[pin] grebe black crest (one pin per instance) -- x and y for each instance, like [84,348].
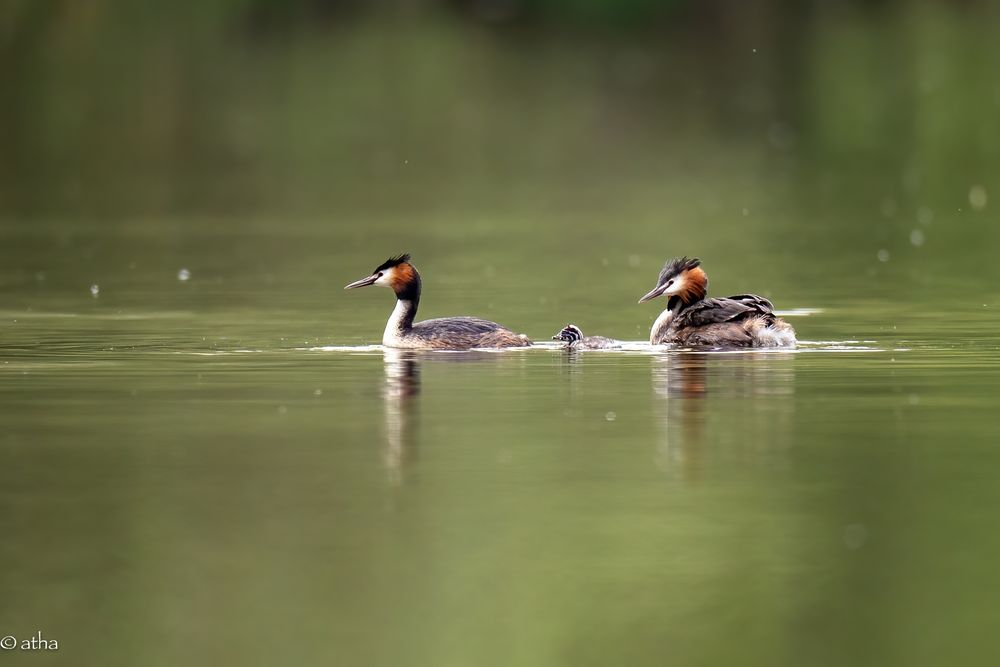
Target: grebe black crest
[446,333]
[693,320]
[576,340]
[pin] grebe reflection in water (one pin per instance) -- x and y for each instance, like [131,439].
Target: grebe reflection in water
[399,395]
[715,408]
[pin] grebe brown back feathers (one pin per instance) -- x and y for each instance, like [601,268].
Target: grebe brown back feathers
[445,333]
[692,320]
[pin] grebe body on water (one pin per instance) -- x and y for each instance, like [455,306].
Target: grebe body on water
[445,333]
[692,320]
[575,339]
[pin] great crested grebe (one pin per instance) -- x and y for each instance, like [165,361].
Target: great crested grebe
[691,320]
[446,333]
[576,340]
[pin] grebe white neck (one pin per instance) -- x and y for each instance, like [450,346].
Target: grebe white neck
[399,322]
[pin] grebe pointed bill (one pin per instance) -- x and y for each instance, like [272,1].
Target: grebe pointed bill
[693,320]
[445,333]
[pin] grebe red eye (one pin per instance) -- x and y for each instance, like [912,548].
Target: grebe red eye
[380,274]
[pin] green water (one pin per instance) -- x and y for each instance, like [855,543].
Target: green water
[189,478]
[226,469]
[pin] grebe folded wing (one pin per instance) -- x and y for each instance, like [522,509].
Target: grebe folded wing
[718,310]
[465,332]
[758,302]
[467,326]
[746,320]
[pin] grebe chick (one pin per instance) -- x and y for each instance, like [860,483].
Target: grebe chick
[576,340]
[692,320]
[446,333]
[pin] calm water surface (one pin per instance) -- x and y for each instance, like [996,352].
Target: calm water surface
[187,478]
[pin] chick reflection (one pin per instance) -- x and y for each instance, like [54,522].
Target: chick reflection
[721,405]
[402,386]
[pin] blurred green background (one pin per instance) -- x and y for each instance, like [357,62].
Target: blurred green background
[188,472]
[740,129]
